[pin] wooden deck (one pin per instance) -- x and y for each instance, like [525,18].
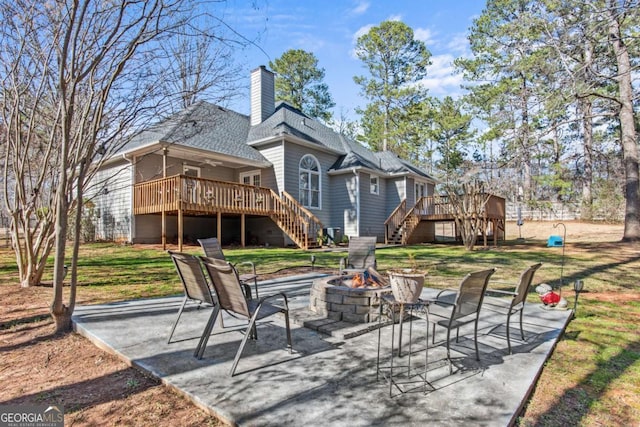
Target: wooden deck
[407,225]
[184,195]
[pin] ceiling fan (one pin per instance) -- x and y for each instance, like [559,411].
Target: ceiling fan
[211,162]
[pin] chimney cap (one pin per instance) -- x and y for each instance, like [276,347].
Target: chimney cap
[262,67]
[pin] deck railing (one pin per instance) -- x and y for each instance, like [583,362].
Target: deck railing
[200,195]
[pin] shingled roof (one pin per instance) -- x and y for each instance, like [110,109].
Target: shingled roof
[288,120]
[210,127]
[205,126]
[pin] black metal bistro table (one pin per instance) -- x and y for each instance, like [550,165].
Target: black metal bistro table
[408,379]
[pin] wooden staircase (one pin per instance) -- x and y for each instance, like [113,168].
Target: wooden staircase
[402,223]
[303,227]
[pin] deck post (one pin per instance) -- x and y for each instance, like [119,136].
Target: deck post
[242,230]
[180,215]
[164,229]
[180,227]
[219,226]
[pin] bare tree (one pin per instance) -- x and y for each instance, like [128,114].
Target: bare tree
[76,80]
[468,201]
[200,65]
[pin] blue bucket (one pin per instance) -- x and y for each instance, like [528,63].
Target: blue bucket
[555,242]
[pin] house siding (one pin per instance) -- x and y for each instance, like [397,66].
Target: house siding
[344,203]
[113,202]
[274,177]
[372,207]
[149,167]
[395,193]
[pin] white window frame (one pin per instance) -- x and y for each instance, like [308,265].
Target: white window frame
[186,167]
[252,175]
[374,189]
[309,173]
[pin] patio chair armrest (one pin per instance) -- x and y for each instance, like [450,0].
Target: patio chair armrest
[279,294]
[499,291]
[504,284]
[249,263]
[444,290]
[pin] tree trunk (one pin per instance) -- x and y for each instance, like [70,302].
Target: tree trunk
[32,247]
[59,311]
[62,319]
[586,212]
[627,127]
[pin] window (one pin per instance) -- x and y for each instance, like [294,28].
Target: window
[375,189]
[309,173]
[189,170]
[250,178]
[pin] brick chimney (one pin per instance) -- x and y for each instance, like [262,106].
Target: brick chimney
[263,96]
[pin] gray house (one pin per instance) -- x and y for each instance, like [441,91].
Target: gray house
[275,177]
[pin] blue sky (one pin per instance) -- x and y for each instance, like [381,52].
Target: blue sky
[329,28]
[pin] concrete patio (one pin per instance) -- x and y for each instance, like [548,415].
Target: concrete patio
[328,379]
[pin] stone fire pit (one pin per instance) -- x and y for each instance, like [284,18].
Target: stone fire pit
[334,298]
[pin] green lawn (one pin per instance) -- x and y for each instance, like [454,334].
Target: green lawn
[593,377]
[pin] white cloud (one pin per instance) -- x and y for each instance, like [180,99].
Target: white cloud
[459,43]
[424,34]
[360,8]
[395,18]
[441,79]
[307,42]
[361,31]
[441,65]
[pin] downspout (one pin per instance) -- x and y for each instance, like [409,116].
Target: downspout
[355,172]
[132,227]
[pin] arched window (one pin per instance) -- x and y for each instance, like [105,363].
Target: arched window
[309,182]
